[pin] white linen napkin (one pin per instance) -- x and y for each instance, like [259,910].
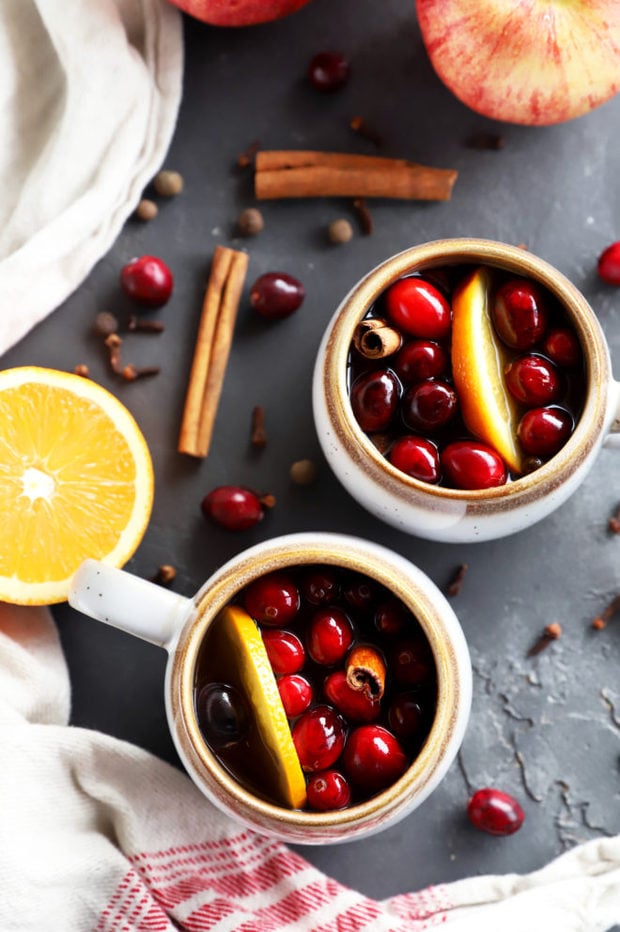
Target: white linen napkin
[97,835]
[89,95]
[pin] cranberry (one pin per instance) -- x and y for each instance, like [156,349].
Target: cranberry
[360,594]
[417,457]
[233,507]
[319,737]
[609,264]
[533,380]
[272,600]
[495,812]
[222,715]
[328,71]
[519,314]
[373,758]
[330,634]
[543,431]
[327,791]
[392,617]
[296,694]
[468,464]
[429,405]
[285,651]
[147,280]
[374,399]
[405,715]
[321,586]
[411,662]
[420,359]
[354,704]
[562,346]
[418,309]
[276,295]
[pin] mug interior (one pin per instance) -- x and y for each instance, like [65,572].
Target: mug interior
[424,771]
[468,252]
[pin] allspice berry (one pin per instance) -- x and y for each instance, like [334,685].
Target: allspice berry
[146,209]
[250,222]
[105,324]
[168,183]
[340,231]
[303,472]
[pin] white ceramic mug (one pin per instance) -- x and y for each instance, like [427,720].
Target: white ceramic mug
[179,625]
[437,512]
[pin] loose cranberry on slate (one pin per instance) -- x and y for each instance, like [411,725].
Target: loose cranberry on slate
[232,507]
[147,280]
[495,812]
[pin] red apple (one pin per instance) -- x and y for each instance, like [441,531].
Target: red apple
[535,62]
[238,12]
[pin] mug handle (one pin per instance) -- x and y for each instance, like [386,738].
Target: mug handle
[613,437]
[128,602]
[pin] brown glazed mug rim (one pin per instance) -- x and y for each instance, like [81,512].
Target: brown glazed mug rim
[467,251]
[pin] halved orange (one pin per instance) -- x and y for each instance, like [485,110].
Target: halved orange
[478,363]
[239,656]
[76,481]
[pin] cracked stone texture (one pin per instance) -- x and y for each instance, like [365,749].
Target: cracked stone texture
[544,728]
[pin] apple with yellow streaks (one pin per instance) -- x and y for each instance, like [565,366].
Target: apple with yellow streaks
[534,62]
[238,12]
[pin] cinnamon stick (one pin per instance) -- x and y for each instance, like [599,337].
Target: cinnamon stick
[375,339]
[366,670]
[285,174]
[213,341]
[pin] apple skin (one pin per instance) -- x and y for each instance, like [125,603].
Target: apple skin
[534,62]
[238,12]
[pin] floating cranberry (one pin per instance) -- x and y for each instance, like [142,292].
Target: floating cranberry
[374,399]
[276,295]
[468,464]
[355,704]
[327,791]
[420,359]
[328,71]
[321,586]
[285,651]
[609,264]
[147,280]
[319,737]
[495,812]
[429,405]
[272,600]
[533,380]
[411,662]
[296,694]
[222,715]
[373,758]
[330,634]
[360,594]
[417,457]
[418,309]
[392,617]
[543,431]
[405,715]
[233,507]
[519,314]
[562,346]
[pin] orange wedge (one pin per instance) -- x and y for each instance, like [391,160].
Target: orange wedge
[76,481]
[478,362]
[240,658]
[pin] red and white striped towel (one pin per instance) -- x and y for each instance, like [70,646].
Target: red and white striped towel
[97,835]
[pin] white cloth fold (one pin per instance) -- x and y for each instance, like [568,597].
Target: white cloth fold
[89,95]
[97,835]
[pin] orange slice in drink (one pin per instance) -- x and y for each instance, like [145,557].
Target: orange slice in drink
[478,362]
[76,481]
[239,657]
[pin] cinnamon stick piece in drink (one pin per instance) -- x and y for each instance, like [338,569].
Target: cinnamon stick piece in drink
[286,174]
